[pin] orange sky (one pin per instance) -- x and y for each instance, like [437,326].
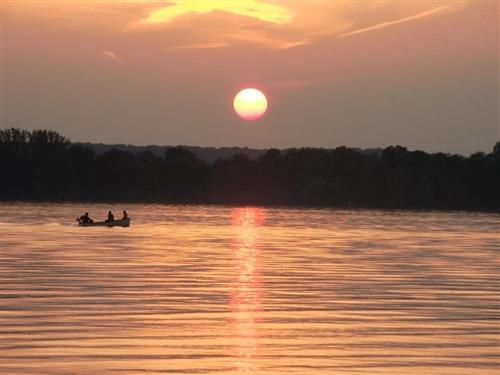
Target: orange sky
[361,73]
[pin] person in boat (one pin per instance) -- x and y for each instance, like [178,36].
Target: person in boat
[125,215]
[110,217]
[85,219]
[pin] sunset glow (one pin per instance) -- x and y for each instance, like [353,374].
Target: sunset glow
[250,104]
[249,187]
[359,73]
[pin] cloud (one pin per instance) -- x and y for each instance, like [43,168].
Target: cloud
[112,56]
[432,12]
[191,24]
[251,8]
[277,24]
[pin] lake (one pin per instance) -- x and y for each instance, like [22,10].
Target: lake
[248,290]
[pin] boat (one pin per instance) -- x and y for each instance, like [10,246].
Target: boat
[115,223]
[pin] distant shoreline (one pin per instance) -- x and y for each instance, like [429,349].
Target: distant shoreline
[44,166]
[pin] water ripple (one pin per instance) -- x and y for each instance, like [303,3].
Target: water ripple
[221,290]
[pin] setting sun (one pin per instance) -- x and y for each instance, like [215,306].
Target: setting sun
[250,104]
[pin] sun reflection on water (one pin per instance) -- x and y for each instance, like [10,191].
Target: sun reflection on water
[246,292]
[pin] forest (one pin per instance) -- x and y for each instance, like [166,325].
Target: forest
[43,165]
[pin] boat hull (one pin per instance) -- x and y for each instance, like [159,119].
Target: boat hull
[116,223]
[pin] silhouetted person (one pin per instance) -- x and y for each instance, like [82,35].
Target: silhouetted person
[125,215]
[85,219]
[110,217]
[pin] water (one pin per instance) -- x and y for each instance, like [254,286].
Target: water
[220,290]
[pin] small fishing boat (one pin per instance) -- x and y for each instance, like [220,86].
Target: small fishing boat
[114,223]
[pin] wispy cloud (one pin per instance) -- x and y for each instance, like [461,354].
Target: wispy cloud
[112,56]
[428,13]
[280,24]
[251,8]
[192,24]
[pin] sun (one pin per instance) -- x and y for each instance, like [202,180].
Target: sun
[250,104]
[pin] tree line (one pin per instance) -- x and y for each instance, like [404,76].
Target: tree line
[43,165]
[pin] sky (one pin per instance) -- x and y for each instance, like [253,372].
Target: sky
[423,74]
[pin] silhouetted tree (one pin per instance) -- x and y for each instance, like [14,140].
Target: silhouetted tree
[42,164]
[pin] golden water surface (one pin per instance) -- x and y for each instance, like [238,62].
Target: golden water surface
[221,290]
